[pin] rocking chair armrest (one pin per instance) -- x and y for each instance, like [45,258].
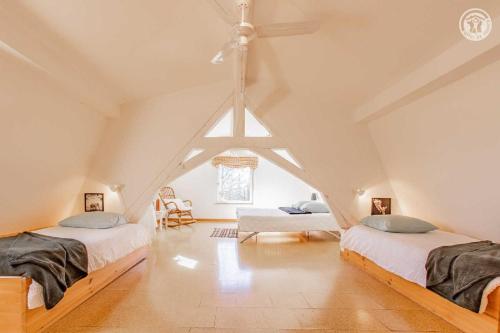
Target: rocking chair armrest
[171,202]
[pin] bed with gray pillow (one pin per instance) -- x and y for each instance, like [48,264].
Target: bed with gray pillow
[419,252]
[255,220]
[94,220]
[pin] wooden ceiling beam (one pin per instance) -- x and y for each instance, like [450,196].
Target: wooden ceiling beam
[237,142]
[453,64]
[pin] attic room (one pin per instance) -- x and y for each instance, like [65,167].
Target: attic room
[249,166]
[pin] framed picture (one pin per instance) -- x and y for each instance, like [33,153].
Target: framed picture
[381,206]
[94,202]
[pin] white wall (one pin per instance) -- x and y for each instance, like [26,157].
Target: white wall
[442,154]
[46,143]
[141,143]
[273,187]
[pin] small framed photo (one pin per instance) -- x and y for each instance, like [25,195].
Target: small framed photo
[381,206]
[94,202]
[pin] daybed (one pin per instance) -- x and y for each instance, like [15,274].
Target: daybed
[111,252]
[399,260]
[255,220]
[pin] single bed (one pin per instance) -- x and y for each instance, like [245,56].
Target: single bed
[111,252]
[257,220]
[104,246]
[405,255]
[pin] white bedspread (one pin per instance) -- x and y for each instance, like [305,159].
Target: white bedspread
[269,219]
[104,246]
[404,254]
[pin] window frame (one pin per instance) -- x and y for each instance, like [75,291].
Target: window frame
[219,200]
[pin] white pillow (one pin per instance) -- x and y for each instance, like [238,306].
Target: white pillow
[94,220]
[180,204]
[315,207]
[299,203]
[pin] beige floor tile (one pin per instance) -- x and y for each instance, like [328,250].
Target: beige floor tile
[412,320]
[59,329]
[282,283]
[354,319]
[257,300]
[288,300]
[231,330]
[392,300]
[341,300]
[281,318]
[313,318]
[218,299]
[362,331]
[303,331]
[241,318]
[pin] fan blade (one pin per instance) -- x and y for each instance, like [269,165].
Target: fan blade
[220,56]
[223,13]
[287,29]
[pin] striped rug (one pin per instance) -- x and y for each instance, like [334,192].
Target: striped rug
[225,233]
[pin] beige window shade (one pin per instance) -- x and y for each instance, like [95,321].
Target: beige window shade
[236,162]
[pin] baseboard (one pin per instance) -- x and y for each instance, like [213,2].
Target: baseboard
[206,220]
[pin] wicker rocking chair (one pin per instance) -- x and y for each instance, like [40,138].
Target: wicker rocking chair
[176,207]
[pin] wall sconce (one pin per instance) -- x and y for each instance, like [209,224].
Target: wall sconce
[314,196]
[116,187]
[360,192]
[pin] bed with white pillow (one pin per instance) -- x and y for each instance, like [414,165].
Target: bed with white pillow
[104,246]
[113,247]
[404,254]
[392,256]
[256,220]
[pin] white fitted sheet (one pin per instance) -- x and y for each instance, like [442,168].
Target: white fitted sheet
[104,246]
[404,254]
[273,219]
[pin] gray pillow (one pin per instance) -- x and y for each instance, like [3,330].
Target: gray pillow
[300,203]
[315,207]
[94,220]
[398,223]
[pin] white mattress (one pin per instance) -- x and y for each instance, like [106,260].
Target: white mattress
[269,219]
[104,246]
[404,254]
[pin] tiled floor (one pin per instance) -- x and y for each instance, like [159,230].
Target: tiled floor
[283,283]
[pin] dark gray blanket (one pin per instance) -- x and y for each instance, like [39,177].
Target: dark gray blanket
[55,263]
[293,211]
[461,272]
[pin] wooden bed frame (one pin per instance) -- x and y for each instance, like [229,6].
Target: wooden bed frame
[15,315]
[467,321]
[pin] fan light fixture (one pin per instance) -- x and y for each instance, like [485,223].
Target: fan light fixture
[116,187]
[218,58]
[360,192]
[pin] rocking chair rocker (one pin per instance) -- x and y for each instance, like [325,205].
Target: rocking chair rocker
[176,207]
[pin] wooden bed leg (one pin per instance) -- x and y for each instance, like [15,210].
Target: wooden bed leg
[333,234]
[13,304]
[249,236]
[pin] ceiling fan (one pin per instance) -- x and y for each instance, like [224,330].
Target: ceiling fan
[242,31]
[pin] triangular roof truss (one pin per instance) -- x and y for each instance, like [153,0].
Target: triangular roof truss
[209,147]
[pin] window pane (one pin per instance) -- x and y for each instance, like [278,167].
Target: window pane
[235,185]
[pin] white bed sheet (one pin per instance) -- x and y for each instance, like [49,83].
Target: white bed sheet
[104,246]
[273,219]
[404,254]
